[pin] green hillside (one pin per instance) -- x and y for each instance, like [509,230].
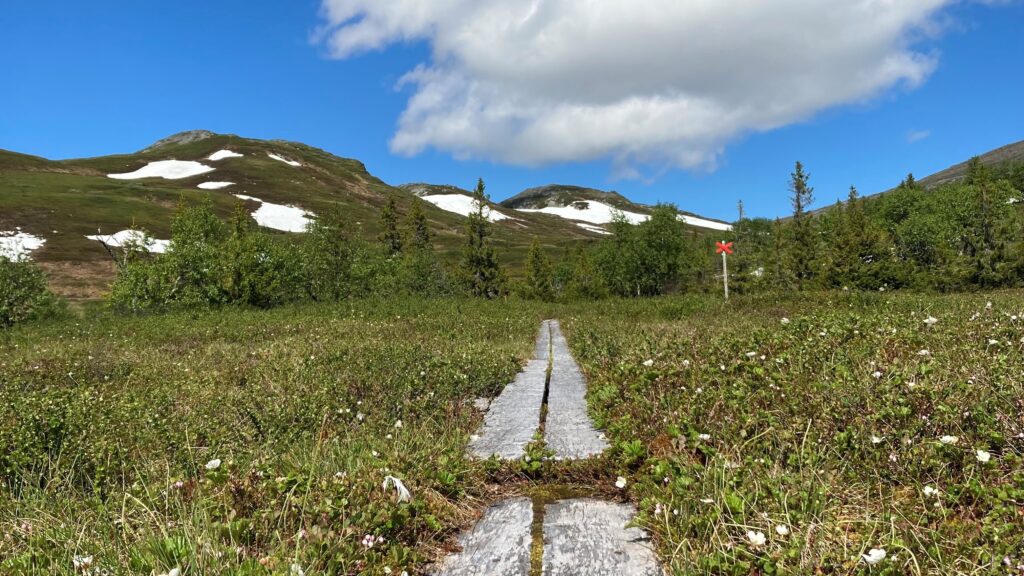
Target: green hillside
[64,201]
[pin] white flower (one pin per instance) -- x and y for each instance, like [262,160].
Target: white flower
[930,492]
[983,456]
[988,306]
[368,541]
[993,342]
[877,439]
[785,321]
[705,437]
[931,321]
[620,482]
[296,570]
[213,464]
[782,530]
[686,363]
[403,493]
[756,538]
[925,353]
[751,355]
[649,363]
[876,374]
[82,562]
[174,572]
[949,440]
[360,416]
[874,556]
[398,424]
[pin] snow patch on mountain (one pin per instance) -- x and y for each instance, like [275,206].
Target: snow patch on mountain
[589,211]
[224,154]
[280,217]
[19,245]
[133,237]
[703,223]
[167,169]
[594,229]
[463,205]
[215,185]
[285,160]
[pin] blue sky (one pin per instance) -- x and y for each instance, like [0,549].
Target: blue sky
[94,78]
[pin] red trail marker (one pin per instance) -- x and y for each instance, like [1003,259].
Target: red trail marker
[725,249]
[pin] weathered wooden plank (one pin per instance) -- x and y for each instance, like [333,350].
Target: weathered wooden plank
[590,538]
[514,416]
[499,545]
[568,430]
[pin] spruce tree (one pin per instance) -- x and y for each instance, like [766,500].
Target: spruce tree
[780,278]
[539,285]
[982,244]
[417,229]
[390,236]
[480,271]
[801,249]
[977,173]
[909,183]
[586,282]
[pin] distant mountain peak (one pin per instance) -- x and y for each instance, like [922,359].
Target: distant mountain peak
[423,189]
[186,137]
[561,195]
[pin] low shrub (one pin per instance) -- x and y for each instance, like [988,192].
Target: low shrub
[23,293]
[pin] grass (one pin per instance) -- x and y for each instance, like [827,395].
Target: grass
[829,426]
[108,424]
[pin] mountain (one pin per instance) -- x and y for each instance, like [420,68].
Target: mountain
[61,204]
[1010,154]
[593,209]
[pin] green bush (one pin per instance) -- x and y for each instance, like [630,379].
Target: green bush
[23,293]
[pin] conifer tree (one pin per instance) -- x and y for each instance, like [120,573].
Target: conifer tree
[390,236]
[909,183]
[539,285]
[780,277]
[417,229]
[977,173]
[801,248]
[586,282]
[480,270]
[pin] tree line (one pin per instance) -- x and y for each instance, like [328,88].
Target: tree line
[963,235]
[959,236]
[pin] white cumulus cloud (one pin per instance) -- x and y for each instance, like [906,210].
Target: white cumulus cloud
[656,83]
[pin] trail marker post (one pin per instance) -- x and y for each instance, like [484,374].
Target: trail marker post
[725,249]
